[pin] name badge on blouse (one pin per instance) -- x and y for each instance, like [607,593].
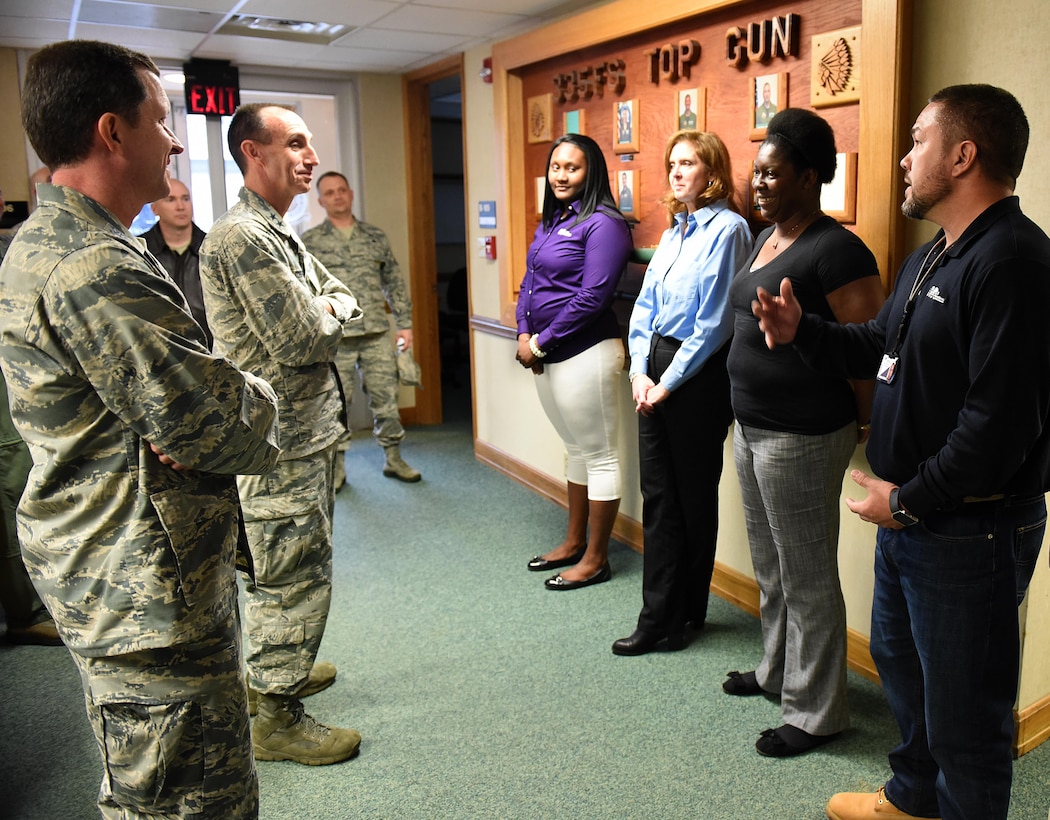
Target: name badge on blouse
[888,368]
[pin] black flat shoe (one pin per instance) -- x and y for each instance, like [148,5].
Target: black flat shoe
[539,563]
[741,683]
[788,741]
[640,643]
[600,577]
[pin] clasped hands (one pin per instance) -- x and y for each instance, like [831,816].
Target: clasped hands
[647,394]
[525,357]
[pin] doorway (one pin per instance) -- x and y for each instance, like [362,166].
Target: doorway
[432,184]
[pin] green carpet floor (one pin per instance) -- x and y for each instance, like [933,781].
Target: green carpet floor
[482,695]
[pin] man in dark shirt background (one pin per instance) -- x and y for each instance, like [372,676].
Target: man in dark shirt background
[176,242]
[961,445]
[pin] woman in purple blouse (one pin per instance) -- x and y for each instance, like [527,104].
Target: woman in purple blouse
[570,339]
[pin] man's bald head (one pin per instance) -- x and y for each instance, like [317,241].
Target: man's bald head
[175,211]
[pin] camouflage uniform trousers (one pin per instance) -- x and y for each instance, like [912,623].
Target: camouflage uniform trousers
[22,606]
[375,359]
[288,518]
[172,728]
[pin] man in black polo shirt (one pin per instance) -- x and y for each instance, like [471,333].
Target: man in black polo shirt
[960,442]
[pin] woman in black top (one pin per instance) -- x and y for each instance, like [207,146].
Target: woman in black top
[796,431]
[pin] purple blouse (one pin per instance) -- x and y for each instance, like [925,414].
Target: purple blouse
[570,281]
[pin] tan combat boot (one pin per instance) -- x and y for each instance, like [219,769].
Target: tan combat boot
[396,467]
[283,731]
[321,677]
[339,477]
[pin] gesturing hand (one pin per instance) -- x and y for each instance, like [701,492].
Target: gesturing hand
[778,316]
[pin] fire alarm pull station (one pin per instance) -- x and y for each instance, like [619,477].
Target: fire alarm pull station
[490,247]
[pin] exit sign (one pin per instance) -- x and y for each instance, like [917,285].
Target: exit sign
[212,87]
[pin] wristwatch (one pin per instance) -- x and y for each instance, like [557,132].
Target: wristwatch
[900,515]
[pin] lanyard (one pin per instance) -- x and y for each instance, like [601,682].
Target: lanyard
[925,270]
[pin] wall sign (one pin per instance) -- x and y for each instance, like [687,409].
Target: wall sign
[672,60]
[487,213]
[584,83]
[763,40]
[212,87]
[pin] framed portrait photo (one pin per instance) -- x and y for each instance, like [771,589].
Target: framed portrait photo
[625,127]
[626,189]
[769,94]
[692,109]
[838,199]
[575,122]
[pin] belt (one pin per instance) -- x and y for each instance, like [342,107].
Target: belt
[973,499]
[670,341]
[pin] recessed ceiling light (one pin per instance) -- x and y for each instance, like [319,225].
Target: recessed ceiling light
[251,25]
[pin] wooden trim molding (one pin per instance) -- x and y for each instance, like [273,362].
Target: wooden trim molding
[1031,726]
[626,529]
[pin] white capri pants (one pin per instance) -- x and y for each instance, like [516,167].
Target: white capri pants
[581,398]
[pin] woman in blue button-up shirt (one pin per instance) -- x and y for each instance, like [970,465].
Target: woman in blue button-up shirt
[679,339]
[570,338]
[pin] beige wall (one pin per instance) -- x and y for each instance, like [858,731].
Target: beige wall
[955,41]
[380,194]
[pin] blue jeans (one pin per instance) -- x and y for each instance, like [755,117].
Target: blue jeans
[944,636]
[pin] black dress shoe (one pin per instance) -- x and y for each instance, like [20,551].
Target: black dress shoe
[601,576]
[540,563]
[640,643]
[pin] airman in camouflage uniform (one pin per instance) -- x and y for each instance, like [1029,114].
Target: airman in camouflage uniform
[359,255]
[130,522]
[276,311]
[27,620]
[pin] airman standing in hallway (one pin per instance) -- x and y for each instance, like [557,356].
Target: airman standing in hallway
[27,620]
[130,522]
[276,311]
[359,255]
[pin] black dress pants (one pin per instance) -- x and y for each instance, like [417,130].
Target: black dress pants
[680,462]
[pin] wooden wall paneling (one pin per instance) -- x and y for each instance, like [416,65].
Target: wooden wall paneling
[529,64]
[885,126]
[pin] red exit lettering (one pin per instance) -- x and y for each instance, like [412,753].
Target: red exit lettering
[211,99]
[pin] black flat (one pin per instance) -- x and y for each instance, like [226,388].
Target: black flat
[640,642]
[741,683]
[539,563]
[788,741]
[559,583]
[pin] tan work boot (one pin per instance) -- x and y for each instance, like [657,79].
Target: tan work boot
[396,467]
[339,477]
[283,731]
[864,806]
[321,677]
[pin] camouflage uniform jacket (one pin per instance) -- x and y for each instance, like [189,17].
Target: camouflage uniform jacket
[367,266]
[101,358]
[265,298]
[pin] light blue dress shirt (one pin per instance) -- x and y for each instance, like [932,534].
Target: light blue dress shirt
[685,292]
